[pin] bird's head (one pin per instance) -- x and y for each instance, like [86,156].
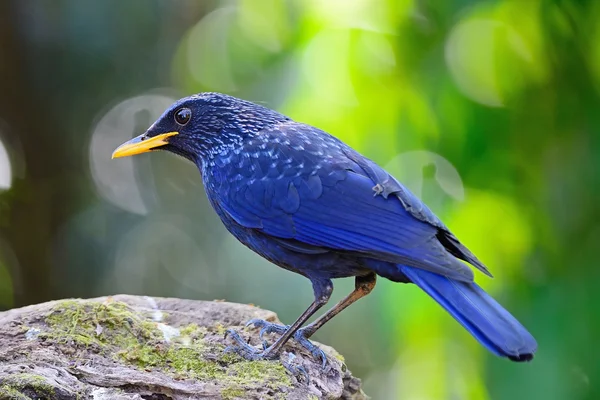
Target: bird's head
[202,125]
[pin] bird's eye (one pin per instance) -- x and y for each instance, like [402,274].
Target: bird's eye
[183,116]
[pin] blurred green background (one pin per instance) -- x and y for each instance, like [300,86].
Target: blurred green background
[489,110]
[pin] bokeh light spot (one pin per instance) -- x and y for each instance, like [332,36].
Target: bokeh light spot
[328,72]
[421,171]
[207,56]
[499,48]
[5,168]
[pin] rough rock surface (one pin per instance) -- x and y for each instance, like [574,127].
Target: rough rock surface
[129,347]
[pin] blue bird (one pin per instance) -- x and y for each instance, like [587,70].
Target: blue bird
[311,204]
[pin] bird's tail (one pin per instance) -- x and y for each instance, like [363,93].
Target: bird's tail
[478,312]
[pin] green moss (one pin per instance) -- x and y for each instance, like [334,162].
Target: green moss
[190,362]
[115,329]
[192,331]
[6,392]
[220,329]
[99,324]
[254,374]
[183,361]
[232,393]
[269,373]
[229,357]
[15,387]
[339,356]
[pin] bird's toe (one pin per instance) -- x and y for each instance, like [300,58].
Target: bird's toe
[267,327]
[256,322]
[241,346]
[317,353]
[245,350]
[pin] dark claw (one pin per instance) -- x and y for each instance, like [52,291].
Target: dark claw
[255,321]
[308,345]
[295,370]
[302,370]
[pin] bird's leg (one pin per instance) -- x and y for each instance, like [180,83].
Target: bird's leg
[363,286]
[322,290]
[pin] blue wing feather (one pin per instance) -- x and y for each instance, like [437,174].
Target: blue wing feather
[390,186]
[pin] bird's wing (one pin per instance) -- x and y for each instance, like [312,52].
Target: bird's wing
[310,195]
[390,186]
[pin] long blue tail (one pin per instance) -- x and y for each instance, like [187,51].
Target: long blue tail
[478,312]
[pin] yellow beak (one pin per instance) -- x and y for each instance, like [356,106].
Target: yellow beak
[141,144]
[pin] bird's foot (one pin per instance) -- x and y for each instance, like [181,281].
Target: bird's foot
[247,351]
[301,337]
[251,353]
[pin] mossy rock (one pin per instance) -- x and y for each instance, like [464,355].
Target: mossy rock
[128,347]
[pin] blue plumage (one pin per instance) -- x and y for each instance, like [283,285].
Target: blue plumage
[311,204]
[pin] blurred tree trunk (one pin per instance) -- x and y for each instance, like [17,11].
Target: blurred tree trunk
[56,74]
[36,202]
